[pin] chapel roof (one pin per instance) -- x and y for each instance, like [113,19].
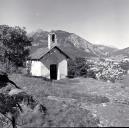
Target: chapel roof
[41,52]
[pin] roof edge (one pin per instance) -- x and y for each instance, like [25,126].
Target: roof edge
[48,52]
[59,50]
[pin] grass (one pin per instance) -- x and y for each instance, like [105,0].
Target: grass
[64,110]
[75,89]
[77,102]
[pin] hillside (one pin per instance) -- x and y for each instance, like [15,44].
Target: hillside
[78,102]
[73,44]
[121,52]
[106,49]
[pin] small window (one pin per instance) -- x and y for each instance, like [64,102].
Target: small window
[53,38]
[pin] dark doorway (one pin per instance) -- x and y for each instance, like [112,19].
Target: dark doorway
[53,72]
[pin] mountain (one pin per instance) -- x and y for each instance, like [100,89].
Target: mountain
[106,49]
[71,43]
[122,52]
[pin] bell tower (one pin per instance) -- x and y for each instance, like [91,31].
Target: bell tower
[52,40]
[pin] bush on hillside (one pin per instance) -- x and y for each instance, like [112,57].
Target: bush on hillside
[124,65]
[79,67]
[91,74]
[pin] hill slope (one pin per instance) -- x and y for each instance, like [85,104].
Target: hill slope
[106,49]
[68,100]
[73,44]
[122,52]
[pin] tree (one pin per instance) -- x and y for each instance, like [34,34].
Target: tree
[77,67]
[16,44]
[124,65]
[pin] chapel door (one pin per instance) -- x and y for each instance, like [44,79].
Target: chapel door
[53,72]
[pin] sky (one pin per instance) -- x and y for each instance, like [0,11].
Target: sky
[98,21]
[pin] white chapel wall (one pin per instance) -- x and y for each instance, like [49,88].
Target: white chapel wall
[62,69]
[39,69]
[45,72]
[36,68]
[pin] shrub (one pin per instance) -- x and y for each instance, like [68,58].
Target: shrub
[77,67]
[124,65]
[91,74]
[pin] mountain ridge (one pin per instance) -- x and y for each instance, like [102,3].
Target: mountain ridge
[73,44]
[122,52]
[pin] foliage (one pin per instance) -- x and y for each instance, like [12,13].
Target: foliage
[91,74]
[80,67]
[15,43]
[77,67]
[124,65]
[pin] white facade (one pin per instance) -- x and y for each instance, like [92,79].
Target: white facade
[62,69]
[128,72]
[39,69]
